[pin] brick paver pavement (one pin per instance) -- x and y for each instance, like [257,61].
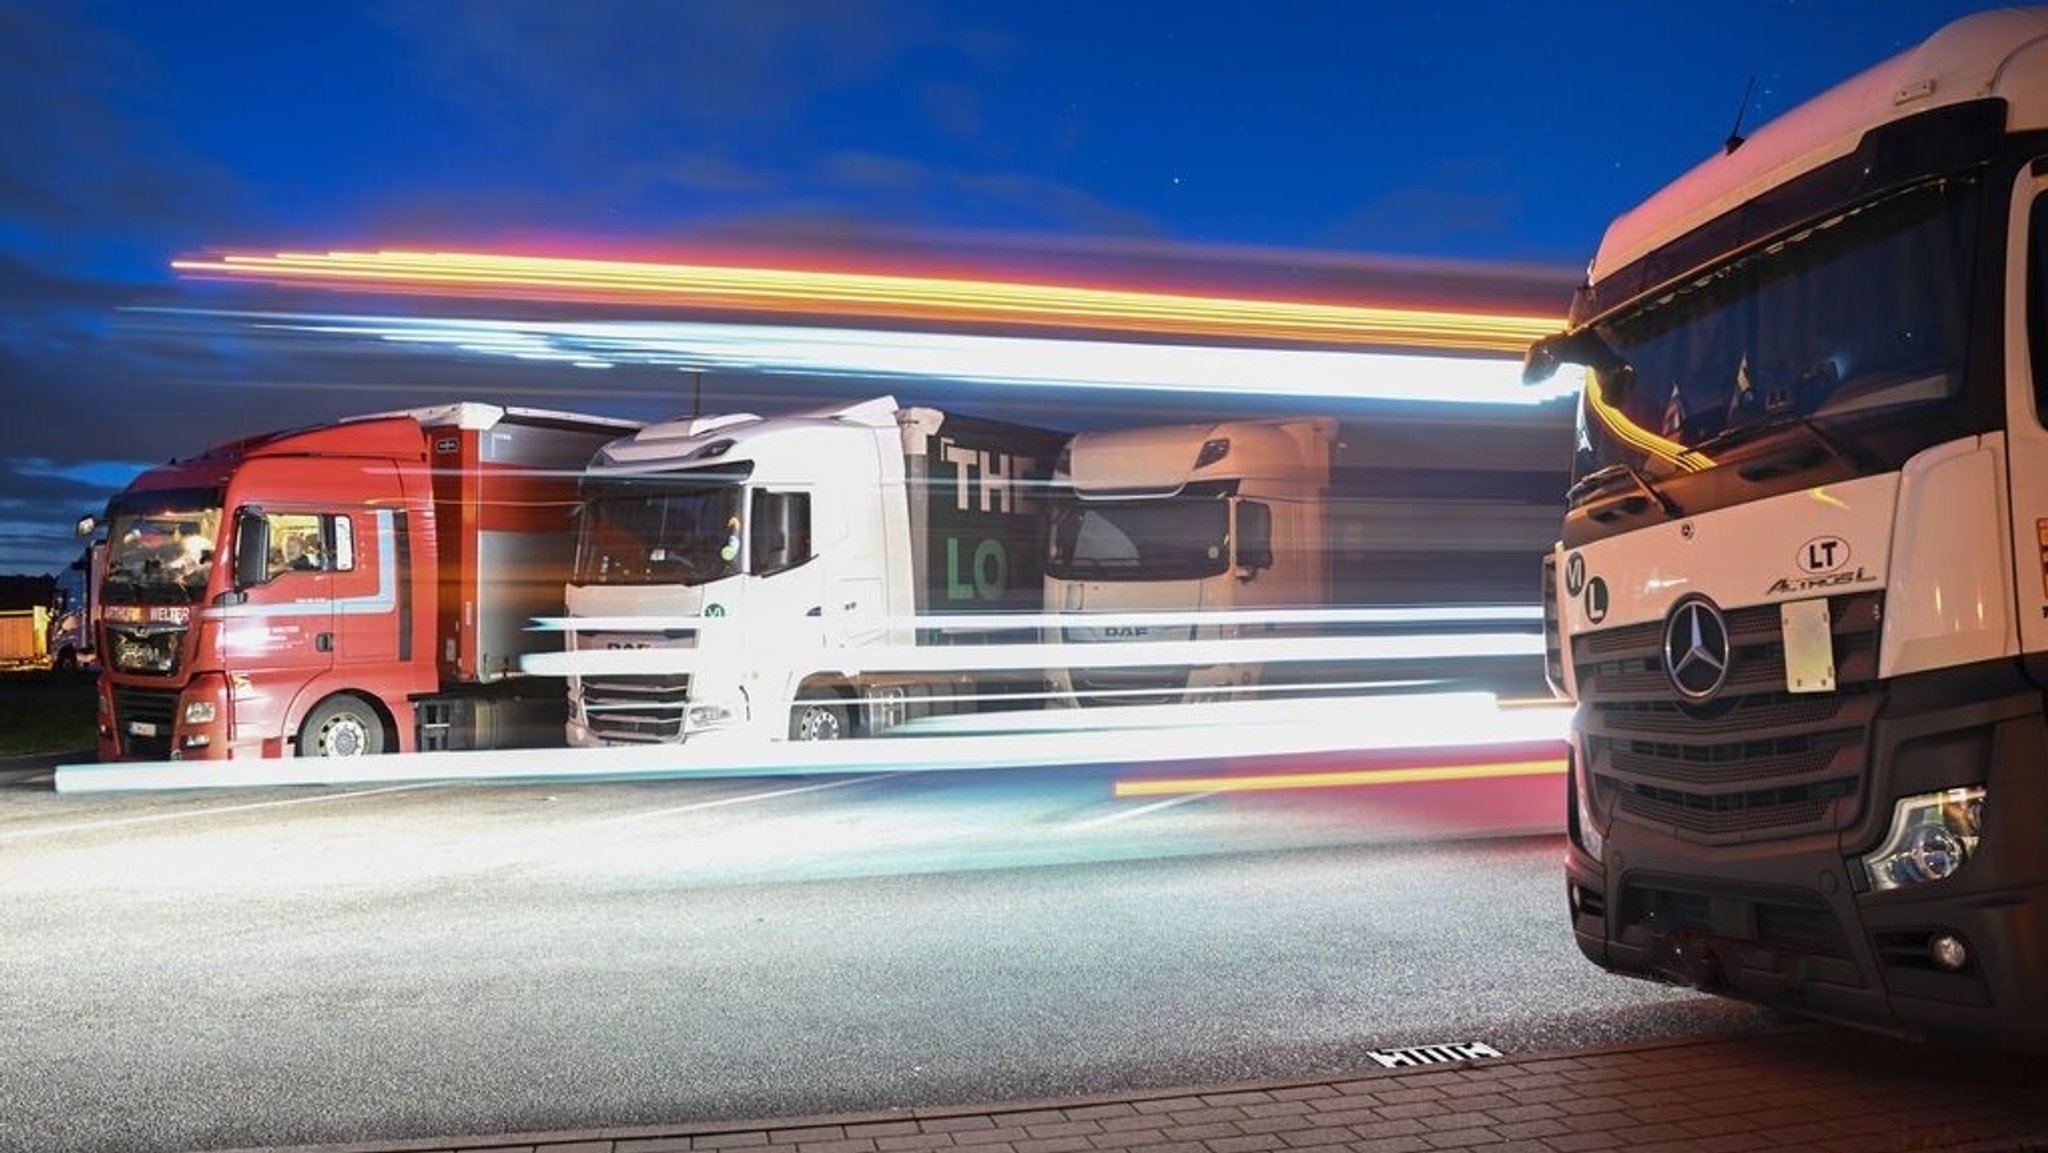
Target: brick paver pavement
[1806,1090]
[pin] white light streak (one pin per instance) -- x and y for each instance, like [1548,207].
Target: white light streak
[998,622]
[1007,360]
[1120,654]
[1248,732]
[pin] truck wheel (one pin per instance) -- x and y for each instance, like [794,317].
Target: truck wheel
[67,659]
[343,726]
[818,716]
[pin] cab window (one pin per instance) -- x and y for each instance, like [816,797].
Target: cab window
[309,542]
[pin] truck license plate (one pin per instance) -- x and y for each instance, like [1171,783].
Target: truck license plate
[142,728]
[1808,634]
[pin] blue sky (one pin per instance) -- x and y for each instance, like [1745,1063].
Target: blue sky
[136,132]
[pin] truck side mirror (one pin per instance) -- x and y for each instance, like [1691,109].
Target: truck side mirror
[780,534]
[1254,535]
[1586,347]
[252,548]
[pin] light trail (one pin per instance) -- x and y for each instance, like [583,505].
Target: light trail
[1269,732]
[1343,778]
[1149,618]
[885,296]
[1119,654]
[1010,361]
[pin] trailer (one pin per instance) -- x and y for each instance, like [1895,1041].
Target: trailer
[24,637]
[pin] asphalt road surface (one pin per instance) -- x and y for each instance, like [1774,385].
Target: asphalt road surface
[208,970]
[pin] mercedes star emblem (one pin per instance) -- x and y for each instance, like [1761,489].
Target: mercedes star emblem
[1696,649]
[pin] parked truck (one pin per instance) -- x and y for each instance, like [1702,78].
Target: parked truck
[1801,596]
[1244,529]
[74,613]
[779,577]
[1182,522]
[353,588]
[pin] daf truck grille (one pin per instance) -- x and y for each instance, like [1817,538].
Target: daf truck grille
[636,709]
[1754,761]
[1140,686]
[154,711]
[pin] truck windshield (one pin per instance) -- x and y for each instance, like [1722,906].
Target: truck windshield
[1861,315]
[161,545]
[1171,539]
[658,530]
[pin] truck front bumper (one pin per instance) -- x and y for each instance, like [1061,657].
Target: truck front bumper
[1797,924]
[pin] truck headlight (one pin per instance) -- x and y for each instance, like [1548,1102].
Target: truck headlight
[1591,838]
[199,712]
[1932,836]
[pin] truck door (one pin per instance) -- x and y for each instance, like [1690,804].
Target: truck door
[281,633]
[366,562]
[2027,435]
[787,606]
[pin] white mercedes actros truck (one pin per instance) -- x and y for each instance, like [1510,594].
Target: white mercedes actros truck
[1801,596]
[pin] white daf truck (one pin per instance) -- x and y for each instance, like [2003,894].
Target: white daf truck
[742,577]
[1801,597]
[1180,522]
[1245,530]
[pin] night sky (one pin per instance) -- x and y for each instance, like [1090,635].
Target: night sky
[133,133]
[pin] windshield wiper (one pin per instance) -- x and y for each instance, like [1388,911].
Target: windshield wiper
[1746,432]
[1600,478]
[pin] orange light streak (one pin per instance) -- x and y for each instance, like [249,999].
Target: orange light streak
[890,296]
[1413,774]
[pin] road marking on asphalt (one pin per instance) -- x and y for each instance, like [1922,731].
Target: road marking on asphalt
[186,814]
[743,799]
[1432,1054]
[1141,810]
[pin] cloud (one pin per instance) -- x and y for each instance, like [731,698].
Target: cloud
[1461,206]
[38,510]
[903,190]
[86,171]
[596,73]
[955,109]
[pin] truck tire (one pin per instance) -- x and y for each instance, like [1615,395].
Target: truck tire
[67,659]
[342,726]
[818,715]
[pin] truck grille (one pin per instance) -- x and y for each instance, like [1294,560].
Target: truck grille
[156,708]
[1141,686]
[636,709]
[1756,762]
[145,650]
[1790,922]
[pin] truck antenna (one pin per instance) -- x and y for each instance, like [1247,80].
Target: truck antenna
[1735,137]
